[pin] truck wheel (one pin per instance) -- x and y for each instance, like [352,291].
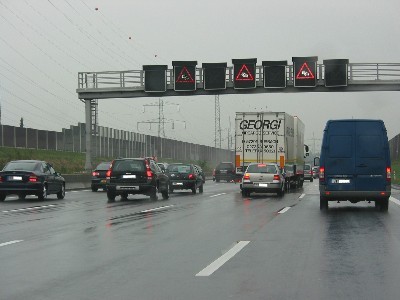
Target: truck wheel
[323,203]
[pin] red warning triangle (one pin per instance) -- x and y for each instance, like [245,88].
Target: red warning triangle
[305,72]
[244,74]
[185,76]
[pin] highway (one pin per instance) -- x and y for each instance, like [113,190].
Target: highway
[215,245]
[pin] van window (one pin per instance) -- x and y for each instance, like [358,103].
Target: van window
[340,146]
[370,146]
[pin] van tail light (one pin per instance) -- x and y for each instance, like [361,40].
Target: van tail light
[321,174]
[33,178]
[388,174]
[94,174]
[246,176]
[191,176]
[149,173]
[276,178]
[108,174]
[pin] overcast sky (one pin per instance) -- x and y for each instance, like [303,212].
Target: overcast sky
[45,43]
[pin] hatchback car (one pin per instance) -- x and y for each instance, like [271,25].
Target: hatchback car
[308,172]
[31,177]
[184,177]
[225,171]
[136,176]
[99,176]
[263,178]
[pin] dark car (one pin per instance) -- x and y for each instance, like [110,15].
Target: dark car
[225,171]
[201,172]
[136,176]
[30,177]
[163,166]
[263,178]
[184,177]
[308,172]
[99,176]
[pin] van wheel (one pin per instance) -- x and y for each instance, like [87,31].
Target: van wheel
[384,204]
[323,203]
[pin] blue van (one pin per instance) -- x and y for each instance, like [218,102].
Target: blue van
[355,163]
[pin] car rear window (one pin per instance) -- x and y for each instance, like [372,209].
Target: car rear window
[23,166]
[179,169]
[103,166]
[225,166]
[129,165]
[262,168]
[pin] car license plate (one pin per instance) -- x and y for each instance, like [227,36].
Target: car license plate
[18,178]
[177,183]
[340,180]
[128,176]
[103,181]
[263,185]
[223,171]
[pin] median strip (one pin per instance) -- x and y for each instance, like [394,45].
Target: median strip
[219,262]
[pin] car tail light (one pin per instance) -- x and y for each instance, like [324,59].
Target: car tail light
[321,174]
[246,176]
[33,178]
[1,178]
[388,174]
[108,174]
[191,176]
[276,177]
[149,173]
[95,174]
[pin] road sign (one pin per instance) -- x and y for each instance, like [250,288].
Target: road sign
[214,76]
[184,75]
[244,73]
[274,74]
[155,78]
[305,71]
[336,72]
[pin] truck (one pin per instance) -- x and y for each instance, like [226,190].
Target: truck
[271,137]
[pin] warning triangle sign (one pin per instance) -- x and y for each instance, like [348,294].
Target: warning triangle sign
[244,74]
[185,76]
[305,72]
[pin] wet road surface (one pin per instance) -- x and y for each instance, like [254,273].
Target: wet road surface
[215,245]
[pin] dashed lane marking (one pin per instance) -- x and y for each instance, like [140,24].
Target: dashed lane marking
[302,196]
[219,262]
[282,211]
[28,208]
[157,208]
[10,243]
[217,195]
[394,200]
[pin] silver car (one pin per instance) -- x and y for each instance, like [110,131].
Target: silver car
[263,178]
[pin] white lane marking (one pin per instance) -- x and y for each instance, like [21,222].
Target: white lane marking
[28,208]
[282,211]
[219,262]
[217,195]
[157,208]
[11,242]
[394,200]
[302,196]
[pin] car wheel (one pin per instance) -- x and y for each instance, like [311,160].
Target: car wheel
[282,191]
[94,189]
[171,190]
[311,180]
[201,189]
[2,197]
[124,196]
[194,190]
[43,194]
[153,194]
[244,193]
[217,180]
[165,195]
[110,196]
[323,203]
[21,196]
[61,193]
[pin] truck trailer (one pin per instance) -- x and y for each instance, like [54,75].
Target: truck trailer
[266,137]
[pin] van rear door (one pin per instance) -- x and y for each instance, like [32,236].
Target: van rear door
[370,170]
[340,157]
